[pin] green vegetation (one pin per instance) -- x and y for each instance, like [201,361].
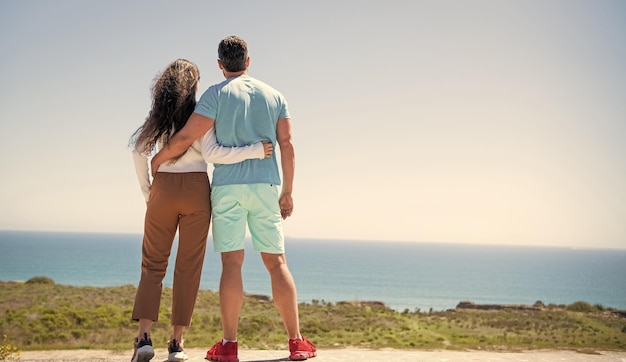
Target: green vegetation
[8,351]
[40,280]
[39,316]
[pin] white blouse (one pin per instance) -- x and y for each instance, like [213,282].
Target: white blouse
[203,150]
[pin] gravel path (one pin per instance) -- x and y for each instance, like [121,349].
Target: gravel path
[344,354]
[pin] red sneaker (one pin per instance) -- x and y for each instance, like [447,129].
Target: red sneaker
[223,352]
[301,349]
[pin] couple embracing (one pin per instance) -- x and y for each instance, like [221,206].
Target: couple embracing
[235,126]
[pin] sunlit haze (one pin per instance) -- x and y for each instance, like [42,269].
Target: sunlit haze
[497,122]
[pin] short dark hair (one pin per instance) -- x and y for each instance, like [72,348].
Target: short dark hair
[233,52]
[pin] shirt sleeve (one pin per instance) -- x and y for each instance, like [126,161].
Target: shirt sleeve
[284,109]
[140,160]
[207,104]
[213,152]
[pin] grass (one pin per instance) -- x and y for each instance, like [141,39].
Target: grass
[43,315]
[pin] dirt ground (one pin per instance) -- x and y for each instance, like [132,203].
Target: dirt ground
[343,354]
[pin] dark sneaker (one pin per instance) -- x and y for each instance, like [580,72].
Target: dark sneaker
[176,351]
[143,349]
[301,349]
[223,352]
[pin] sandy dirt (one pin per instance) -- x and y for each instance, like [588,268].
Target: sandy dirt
[344,354]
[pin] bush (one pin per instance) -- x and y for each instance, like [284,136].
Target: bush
[40,280]
[7,351]
[581,307]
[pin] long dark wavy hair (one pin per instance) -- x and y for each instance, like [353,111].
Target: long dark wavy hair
[173,101]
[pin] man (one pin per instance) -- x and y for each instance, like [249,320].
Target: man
[245,110]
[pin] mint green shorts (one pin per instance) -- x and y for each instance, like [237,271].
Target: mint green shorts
[252,205]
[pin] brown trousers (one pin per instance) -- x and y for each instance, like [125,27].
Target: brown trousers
[177,201]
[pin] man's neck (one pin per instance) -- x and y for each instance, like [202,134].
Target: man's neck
[229,75]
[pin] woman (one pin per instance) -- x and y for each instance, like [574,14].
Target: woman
[177,198]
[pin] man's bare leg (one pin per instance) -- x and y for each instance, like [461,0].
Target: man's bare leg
[231,292]
[283,292]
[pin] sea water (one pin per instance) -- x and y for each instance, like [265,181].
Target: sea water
[402,275]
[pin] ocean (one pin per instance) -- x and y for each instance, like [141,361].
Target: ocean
[403,275]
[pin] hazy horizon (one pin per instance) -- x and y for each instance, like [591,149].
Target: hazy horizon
[290,239]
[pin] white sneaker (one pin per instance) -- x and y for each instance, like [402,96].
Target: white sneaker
[143,349]
[176,351]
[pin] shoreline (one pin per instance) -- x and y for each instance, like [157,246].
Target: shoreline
[340,354]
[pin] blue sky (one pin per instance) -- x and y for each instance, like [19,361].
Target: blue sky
[443,121]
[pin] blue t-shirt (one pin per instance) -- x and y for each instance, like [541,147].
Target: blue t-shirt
[245,111]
